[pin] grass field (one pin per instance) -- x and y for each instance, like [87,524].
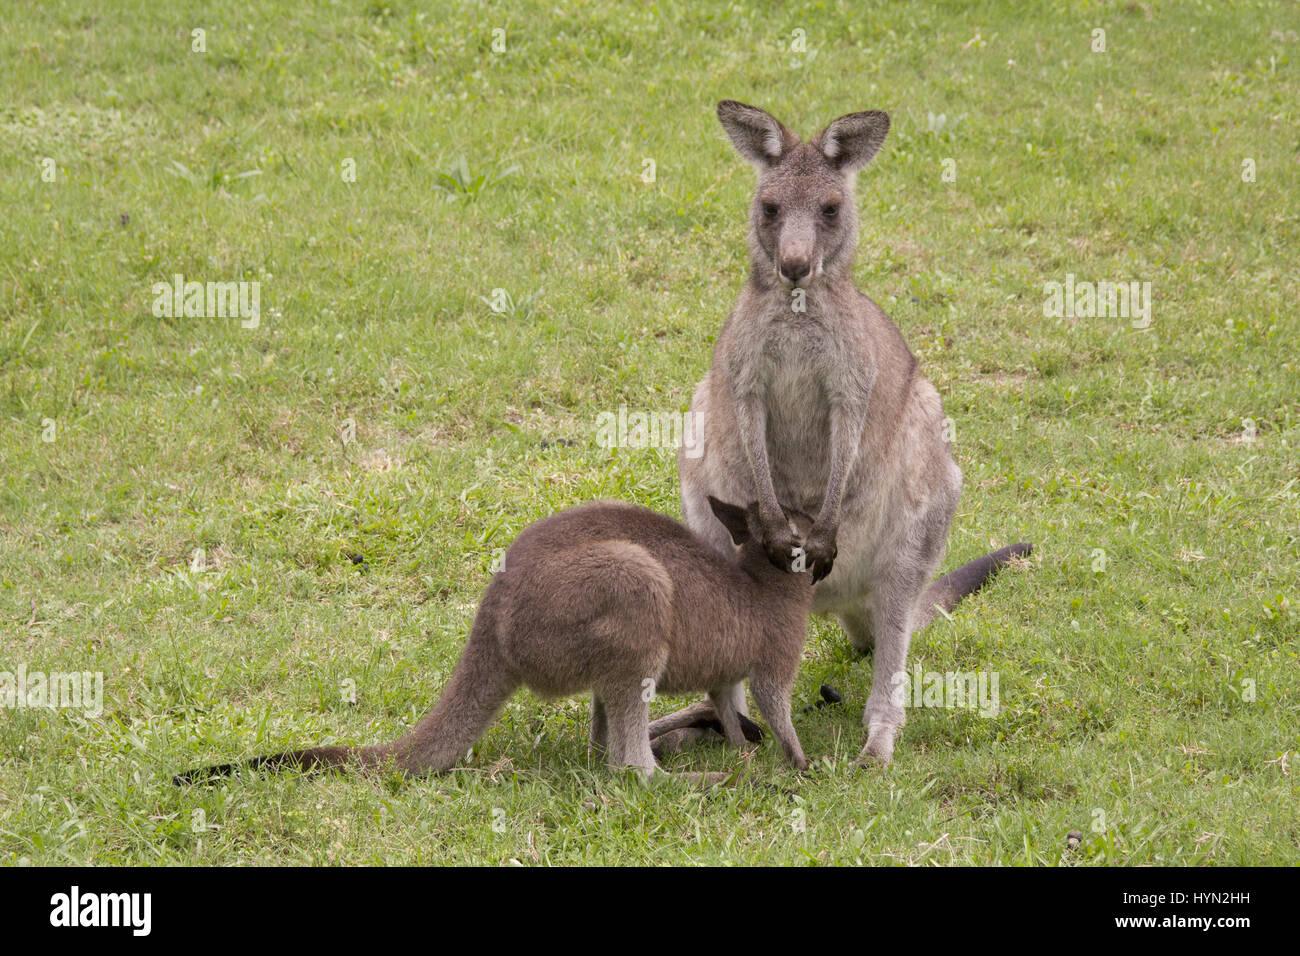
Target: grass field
[184,499]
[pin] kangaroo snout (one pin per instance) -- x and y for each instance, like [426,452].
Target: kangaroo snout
[796,251]
[795,269]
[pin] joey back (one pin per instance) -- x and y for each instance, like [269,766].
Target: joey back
[626,603]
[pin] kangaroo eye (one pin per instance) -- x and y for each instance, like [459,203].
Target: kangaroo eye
[770,209]
[830,211]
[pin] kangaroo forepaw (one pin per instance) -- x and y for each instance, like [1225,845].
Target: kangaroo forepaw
[781,544]
[821,552]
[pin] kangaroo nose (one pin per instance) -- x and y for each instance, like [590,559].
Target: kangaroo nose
[795,269]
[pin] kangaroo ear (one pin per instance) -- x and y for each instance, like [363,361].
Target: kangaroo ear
[732,518]
[852,141]
[756,135]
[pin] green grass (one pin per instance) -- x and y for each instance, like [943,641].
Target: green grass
[1124,713]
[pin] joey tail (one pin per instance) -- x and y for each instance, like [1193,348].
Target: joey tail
[479,686]
[948,590]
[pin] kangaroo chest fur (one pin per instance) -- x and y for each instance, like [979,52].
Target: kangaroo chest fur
[798,356]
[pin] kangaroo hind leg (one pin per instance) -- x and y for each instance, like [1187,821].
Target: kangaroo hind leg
[599,727]
[627,718]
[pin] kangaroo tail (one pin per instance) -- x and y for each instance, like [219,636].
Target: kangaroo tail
[317,758]
[947,591]
[479,686]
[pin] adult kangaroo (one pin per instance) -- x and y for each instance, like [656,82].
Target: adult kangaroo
[615,599]
[813,403]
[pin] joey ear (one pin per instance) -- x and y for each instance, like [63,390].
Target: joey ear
[733,519]
[852,141]
[757,135]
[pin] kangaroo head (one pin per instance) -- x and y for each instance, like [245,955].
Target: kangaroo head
[746,530]
[803,223]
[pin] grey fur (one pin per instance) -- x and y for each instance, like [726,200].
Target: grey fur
[607,597]
[823,411]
